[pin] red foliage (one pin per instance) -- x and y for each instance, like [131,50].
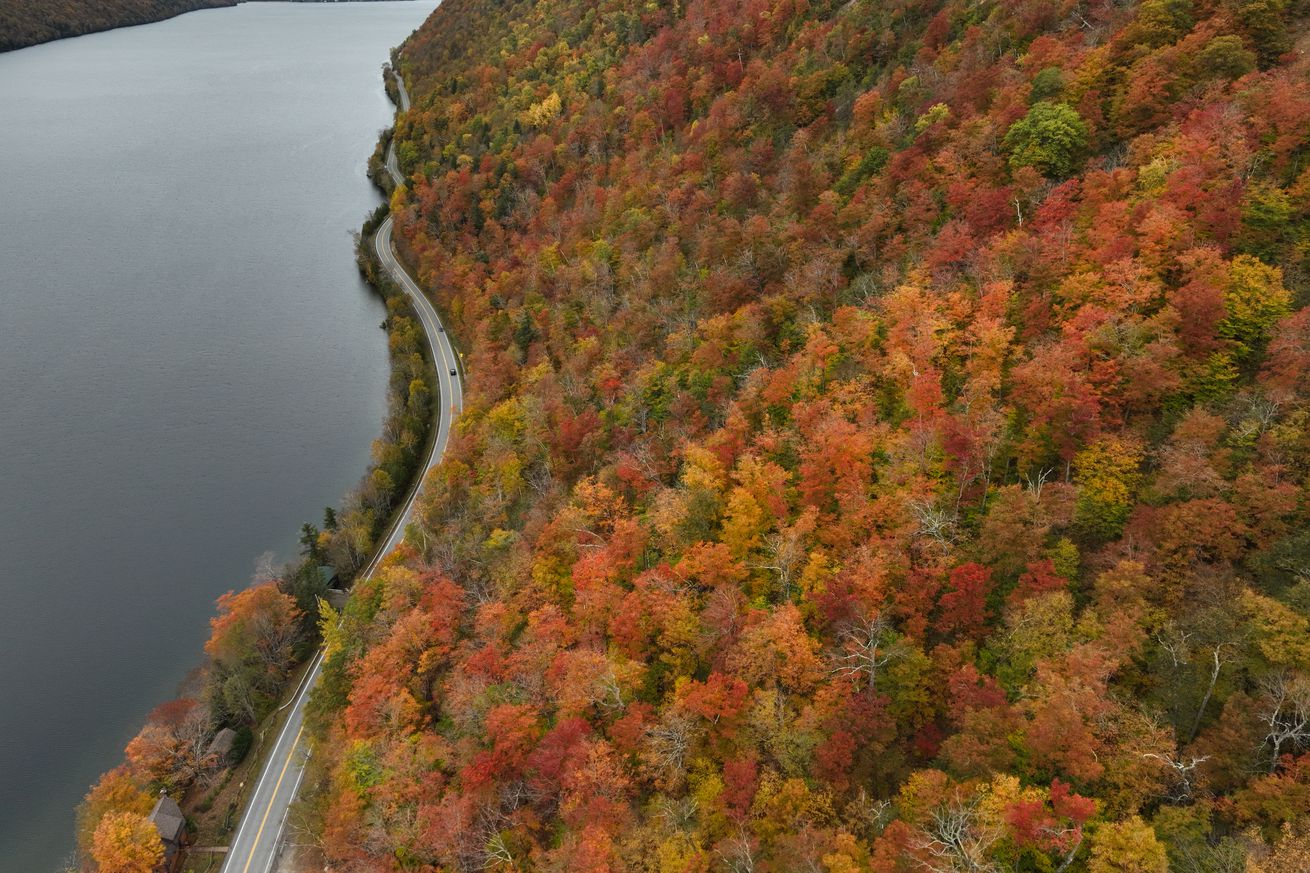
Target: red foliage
[963,609]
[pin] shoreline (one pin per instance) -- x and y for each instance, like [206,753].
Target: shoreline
[69,29]
[268,798]
[218,810]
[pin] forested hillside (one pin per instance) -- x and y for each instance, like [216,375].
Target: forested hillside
[28,22]
[885,445]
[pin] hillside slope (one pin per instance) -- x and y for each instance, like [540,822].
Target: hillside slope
[25,22]
[885,445]
[30,22]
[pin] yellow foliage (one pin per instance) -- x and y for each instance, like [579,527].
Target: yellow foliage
[544,111]
[744,522]
[1291,854]
[1254,300]
[329,626]
[126,842]
[848,856]
[677,855]
[1127,846]
[506,419]
[819,570]
[1107,478]
[702,469]
[1281,634]
[782,806]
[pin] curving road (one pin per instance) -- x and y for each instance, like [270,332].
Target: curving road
[393,166]
[259,836]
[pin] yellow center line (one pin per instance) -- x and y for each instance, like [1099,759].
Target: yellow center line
[272,798]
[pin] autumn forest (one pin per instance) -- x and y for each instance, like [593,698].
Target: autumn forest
[886,448]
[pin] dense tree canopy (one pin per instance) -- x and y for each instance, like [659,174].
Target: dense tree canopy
[1052,137]
[886,448]
[27,22]
[885,444]
[127,842]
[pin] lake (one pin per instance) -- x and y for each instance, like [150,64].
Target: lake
[190,367]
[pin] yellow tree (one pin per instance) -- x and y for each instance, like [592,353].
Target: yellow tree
[1107,476]
[126,842]
[1127,846]
[1291,852]
[1282,636]
[116,791]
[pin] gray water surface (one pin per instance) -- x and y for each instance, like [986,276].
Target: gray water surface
[189,365]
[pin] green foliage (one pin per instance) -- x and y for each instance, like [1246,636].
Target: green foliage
[23,23]
[1047,84]
[873,161]
[1215,378]
[1267,216]
[1064,556]
[1160,22]
[1263,22]
[936,114]
[844,481]
[1254,300]
[1052,138]
[1281,564]
[1226,57]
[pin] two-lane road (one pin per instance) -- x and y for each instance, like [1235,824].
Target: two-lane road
[393,165]
[259,836]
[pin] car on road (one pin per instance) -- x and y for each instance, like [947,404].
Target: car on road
[452,372]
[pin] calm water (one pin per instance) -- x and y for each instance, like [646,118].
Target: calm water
[189,365]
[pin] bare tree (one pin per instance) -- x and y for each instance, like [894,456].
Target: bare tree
[1034,484]
[668,743]
[497,853]
[783,553]
[608,693]
[265,569]
[957,840]
[1220,654]
[1176,643]
[738,852]
[1286,713]
[934,523]
[1256,414]
[484,848]
[194,761]
[867,645]
[1182,770]
[865,815]
[678,814]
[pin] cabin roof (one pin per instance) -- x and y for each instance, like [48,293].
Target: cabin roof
[222,743]
[168,819]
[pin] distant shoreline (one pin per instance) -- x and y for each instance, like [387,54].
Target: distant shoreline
[24,24]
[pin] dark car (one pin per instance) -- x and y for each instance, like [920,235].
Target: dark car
[452,372]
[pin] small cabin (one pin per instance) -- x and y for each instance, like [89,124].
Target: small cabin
[328,577]
[220,748]
[168,819]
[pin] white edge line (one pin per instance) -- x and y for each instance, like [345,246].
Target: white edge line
[254,792]
[286,813]
[437,450]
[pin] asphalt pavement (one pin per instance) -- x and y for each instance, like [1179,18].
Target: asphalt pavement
[258,838]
